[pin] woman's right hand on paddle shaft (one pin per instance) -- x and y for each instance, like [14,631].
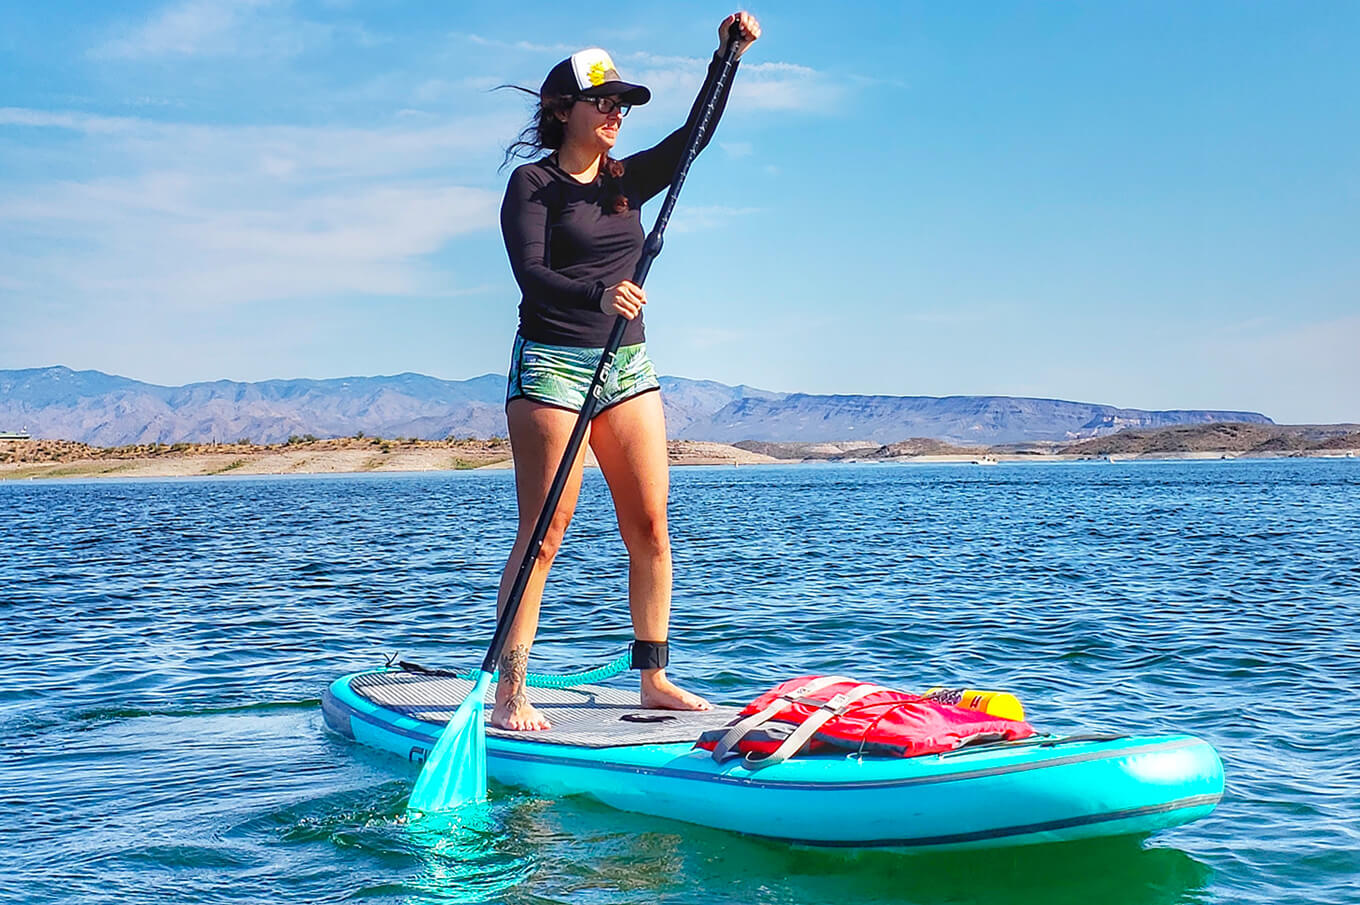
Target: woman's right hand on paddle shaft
[626,298]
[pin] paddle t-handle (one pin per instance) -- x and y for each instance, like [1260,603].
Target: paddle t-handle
[734,35]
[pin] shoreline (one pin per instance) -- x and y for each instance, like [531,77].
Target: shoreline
[41,459]
[51,459]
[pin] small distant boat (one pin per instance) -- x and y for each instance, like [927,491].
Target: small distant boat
[985,460]
[15,435]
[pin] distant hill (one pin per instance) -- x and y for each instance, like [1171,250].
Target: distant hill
[105,410]
[966,420]
[693,402]
[1234,438]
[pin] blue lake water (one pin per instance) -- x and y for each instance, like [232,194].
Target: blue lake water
[165,644]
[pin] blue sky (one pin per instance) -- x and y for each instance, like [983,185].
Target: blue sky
[1145,204]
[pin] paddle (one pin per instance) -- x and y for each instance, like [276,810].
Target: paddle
[455,770]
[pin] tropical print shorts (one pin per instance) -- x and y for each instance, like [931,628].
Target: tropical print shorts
[560,375]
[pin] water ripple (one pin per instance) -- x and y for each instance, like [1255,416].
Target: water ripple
[167,641]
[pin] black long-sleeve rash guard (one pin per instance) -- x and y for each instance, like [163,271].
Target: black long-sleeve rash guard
[566,245]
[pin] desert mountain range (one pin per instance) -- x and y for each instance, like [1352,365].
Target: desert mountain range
[107,410]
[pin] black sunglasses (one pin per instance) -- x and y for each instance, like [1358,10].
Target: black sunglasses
[606,104]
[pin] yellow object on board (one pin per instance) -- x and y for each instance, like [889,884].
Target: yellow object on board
[993,703]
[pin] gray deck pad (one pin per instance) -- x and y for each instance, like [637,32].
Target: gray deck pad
[588,716]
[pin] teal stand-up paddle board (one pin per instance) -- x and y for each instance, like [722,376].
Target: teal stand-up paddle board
[601,744]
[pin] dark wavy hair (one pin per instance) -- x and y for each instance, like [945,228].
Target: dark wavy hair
[545,132]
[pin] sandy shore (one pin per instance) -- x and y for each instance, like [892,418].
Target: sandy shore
[23,459]
[59,459]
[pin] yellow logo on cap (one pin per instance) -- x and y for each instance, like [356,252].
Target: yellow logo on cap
[592,68]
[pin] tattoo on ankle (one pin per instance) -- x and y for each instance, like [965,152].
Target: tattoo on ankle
[514,670]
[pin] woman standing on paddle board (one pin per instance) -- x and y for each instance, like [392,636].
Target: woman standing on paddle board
[573,229]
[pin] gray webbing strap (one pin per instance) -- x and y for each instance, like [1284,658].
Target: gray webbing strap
[723,750]
[794,743]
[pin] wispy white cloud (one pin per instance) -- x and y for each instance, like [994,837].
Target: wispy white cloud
[224,28]
[694,218]
[77,122]
[788,86]
[211,215]
[526,46]
[674,80]
[427,140]
[777,86]
[151,243]
[192,28]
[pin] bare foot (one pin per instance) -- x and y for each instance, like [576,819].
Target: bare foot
[660,693]
[513,710]
[517,715]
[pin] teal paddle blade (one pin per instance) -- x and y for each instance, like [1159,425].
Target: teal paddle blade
[455,770]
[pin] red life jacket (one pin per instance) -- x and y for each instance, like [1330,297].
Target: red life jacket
[820,714]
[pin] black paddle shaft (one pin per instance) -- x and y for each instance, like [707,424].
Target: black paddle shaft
[650,249]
